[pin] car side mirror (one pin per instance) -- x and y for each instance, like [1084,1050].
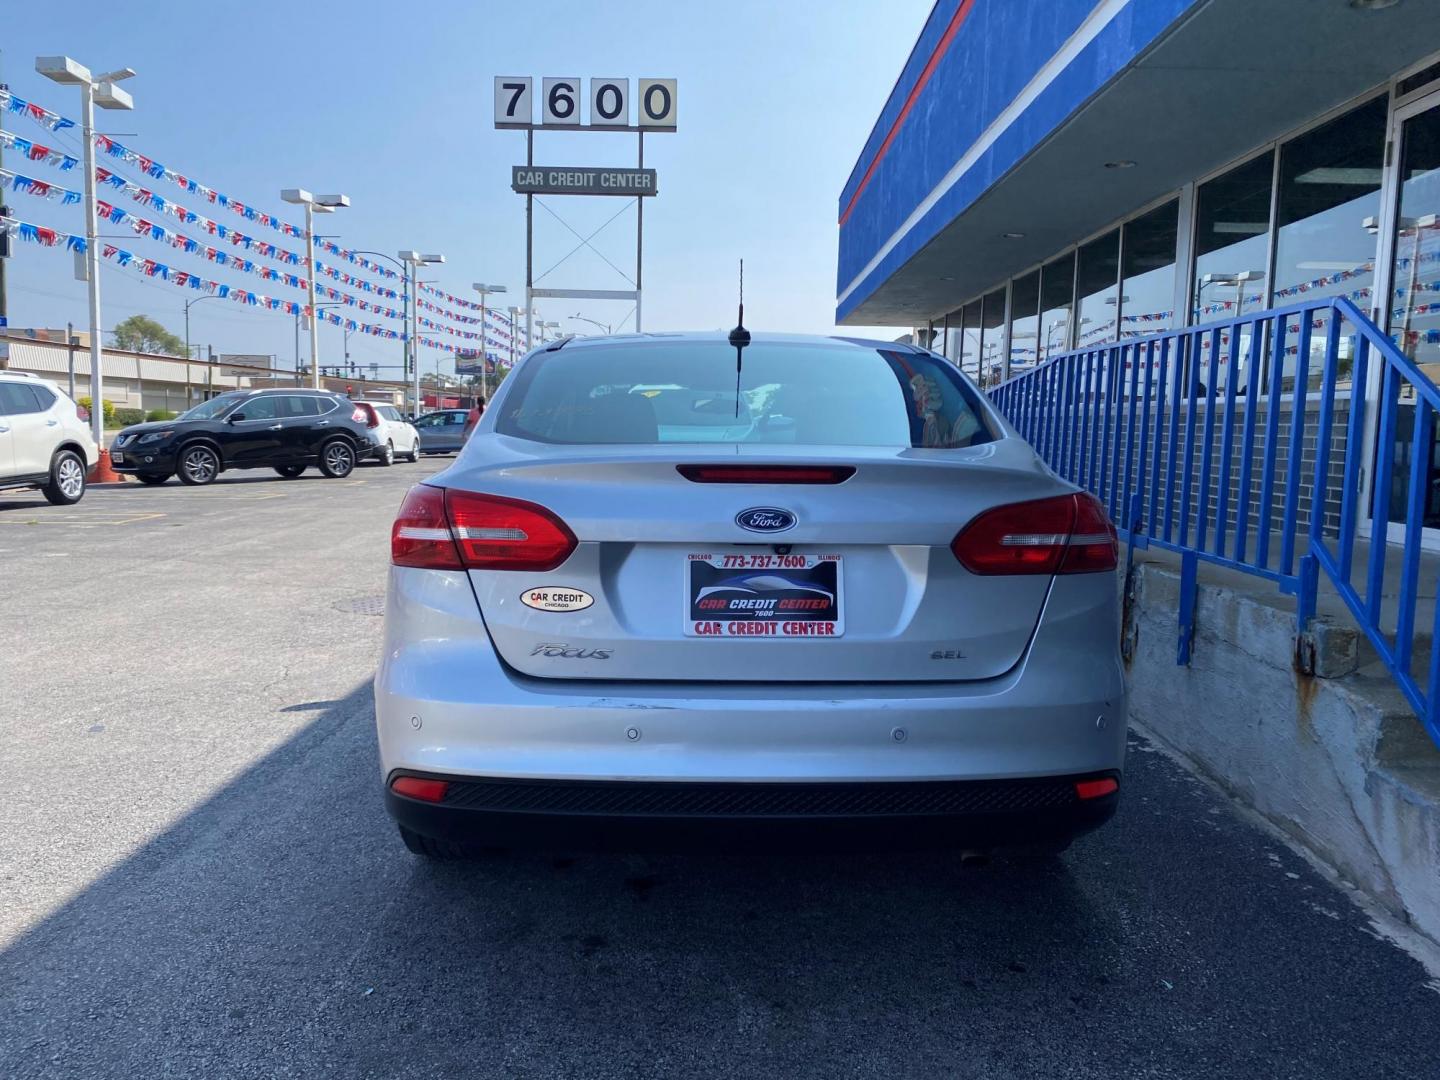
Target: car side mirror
[235,418]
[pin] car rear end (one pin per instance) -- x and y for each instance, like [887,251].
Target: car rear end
[834,600]
[368,427]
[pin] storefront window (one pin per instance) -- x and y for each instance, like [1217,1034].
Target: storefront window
[1232,222]
[952,337]
[1057,292]
[1024,320]
[969,358]
[992,331]
[1147,294]
[1414,312]
[1329,187]
[1097,289]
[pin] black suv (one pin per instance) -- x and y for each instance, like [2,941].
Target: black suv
[285,430]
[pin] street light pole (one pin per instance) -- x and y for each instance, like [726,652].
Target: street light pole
[404,304]
[485,290]
[324,204]
[414,260]
[188,305]
[94,90]
[515,313]
[602,326]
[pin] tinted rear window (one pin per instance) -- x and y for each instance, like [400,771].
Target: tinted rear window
[685,392]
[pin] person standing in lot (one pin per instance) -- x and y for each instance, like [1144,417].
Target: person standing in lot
[477,409]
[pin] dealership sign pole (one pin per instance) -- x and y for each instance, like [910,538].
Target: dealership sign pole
[561,111]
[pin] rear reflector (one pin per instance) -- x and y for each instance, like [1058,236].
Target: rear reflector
[446,529]
[767,474]
[418,787]
[1096,789]
[1067,534]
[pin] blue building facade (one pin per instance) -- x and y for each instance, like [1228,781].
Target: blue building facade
[1050,174]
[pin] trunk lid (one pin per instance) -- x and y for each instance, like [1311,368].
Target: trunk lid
[622,606]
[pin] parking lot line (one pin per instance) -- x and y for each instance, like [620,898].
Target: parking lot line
[95,518]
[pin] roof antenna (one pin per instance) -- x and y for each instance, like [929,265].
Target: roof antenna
[739,337]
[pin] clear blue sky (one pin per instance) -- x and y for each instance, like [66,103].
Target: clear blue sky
[391,104]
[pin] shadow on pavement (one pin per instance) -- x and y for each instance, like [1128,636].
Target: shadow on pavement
[280,928]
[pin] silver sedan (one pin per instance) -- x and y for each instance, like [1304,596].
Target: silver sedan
[684,589]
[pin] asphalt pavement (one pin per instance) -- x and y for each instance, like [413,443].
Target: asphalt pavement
[198,879]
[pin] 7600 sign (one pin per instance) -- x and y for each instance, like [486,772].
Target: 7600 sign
[564,105]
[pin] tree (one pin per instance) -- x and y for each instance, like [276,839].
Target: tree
[139,333]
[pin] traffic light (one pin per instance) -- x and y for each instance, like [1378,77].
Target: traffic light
[4,235]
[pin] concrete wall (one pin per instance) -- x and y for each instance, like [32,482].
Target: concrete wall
[1340,764]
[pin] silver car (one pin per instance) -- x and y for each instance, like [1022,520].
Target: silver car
[806,591]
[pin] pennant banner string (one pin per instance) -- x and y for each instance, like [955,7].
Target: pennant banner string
[34,151]
[31,186]
[54,121]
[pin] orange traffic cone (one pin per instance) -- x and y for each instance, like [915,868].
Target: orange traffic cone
[104,472]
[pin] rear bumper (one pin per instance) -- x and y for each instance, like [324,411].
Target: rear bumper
[447,707]
[649,815]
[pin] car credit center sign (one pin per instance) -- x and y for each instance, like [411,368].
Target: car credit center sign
[552,180]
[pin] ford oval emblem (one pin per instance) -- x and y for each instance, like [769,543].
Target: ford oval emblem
[765,519]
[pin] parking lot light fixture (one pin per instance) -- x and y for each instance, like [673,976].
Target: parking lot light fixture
[324,204]
[94,90]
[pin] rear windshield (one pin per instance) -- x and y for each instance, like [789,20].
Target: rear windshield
[686,392]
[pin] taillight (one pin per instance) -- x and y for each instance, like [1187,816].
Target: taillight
[1092,546]
[1067,534]
[421,535]
[363,414]
[442,529]
[766,474]
[495,533]
[83,413]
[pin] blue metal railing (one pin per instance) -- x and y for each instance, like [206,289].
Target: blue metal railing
[1242,443]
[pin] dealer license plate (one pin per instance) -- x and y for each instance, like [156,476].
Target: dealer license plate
[763,595]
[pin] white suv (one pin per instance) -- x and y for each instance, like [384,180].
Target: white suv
[396,435]
[45,441]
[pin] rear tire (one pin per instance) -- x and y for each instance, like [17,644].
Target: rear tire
[154,479]
[430,848]
[337,459]
[66,485]
[289,472]
[387,455]
[199,465]
[414,455]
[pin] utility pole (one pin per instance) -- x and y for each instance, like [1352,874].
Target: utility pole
[5,243]
[70,342]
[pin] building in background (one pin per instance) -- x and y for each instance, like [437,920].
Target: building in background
[145,382]
[1051,174]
